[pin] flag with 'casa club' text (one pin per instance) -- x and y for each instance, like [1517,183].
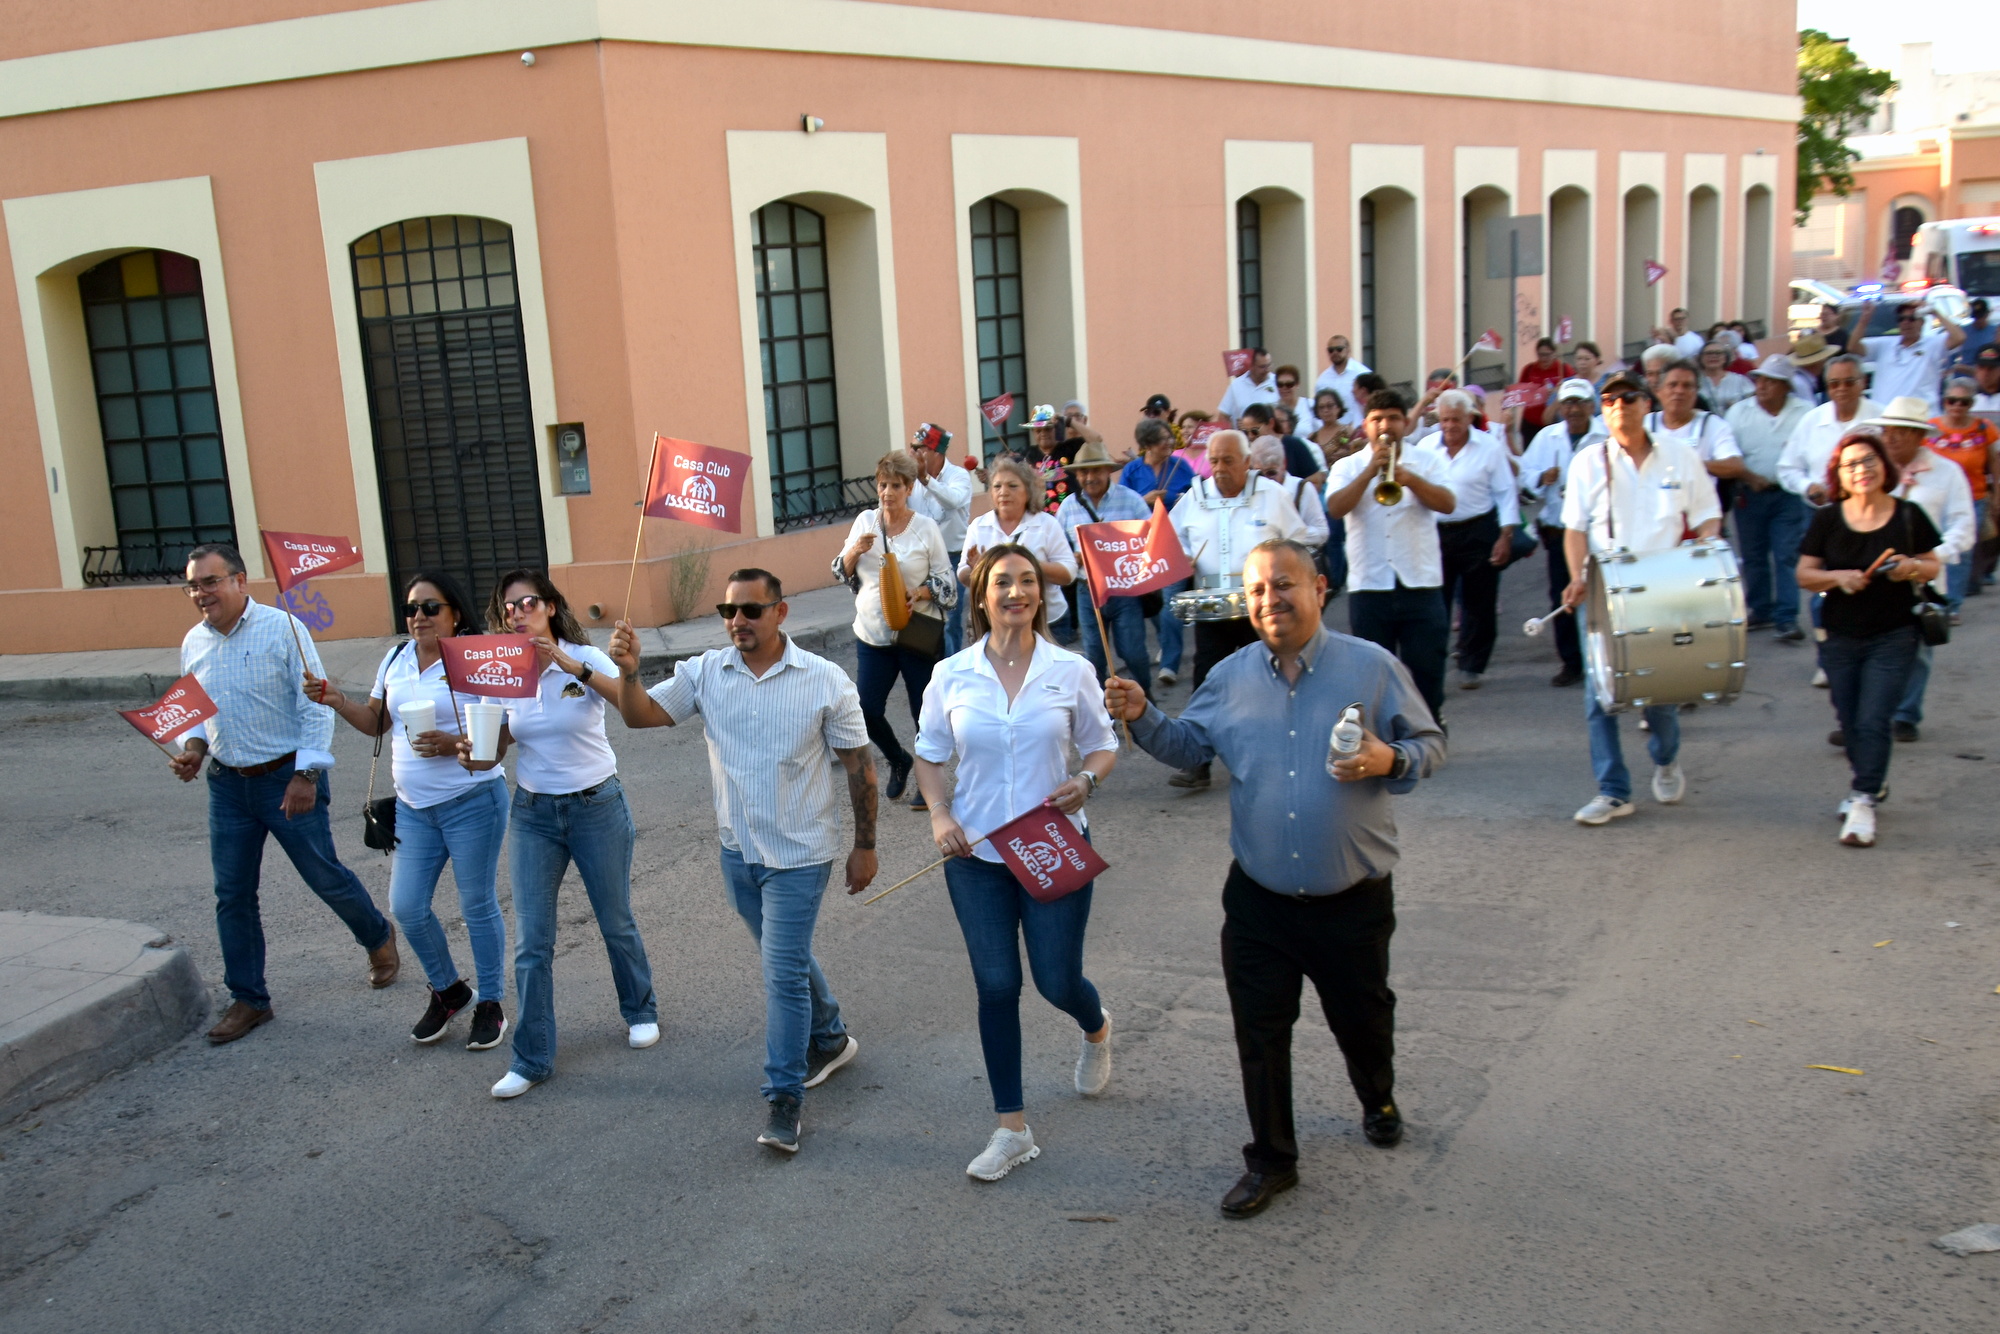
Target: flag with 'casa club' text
[297,557]
[497,666]
[697,484]
[185,706]
[1124,558]
[1046,853]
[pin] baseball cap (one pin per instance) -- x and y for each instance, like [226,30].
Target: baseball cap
[1157,403]
[1988,355]
[1578,388]
[930,437]
[1777,366]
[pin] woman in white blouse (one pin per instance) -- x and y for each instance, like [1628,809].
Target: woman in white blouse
[1010,707]
[443,812]
[1017,516]
[1722,388]
[882,653]
[569,807]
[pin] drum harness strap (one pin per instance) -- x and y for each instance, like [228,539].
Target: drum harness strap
[1211,499]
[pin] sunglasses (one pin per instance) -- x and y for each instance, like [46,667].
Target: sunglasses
[752,611]
[1287,384]
[529,603]
[1625,396]
[1909,319]
[429,607]
[1958,402]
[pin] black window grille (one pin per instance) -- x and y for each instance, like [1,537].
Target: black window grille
[1250,272]
[1905,222]
[1368,282]
[455,450]
[997,318]
[148,333]
[795,337]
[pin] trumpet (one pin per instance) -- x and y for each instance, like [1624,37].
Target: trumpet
[1389,491]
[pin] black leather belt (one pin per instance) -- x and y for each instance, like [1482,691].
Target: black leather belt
[1459,523]
[258,770]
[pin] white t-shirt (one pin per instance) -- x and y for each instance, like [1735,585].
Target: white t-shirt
[422,782]
[1243,391]
[1912,369]
[559,740]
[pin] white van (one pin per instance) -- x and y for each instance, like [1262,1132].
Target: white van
[1964,253]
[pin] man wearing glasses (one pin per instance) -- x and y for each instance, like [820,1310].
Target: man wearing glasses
[1802,466]
[268,749]
[776,718]
[1339,376]
[1910,361]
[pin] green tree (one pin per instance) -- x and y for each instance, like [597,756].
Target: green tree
[1839,95]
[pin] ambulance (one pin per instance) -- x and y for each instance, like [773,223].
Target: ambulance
[1962,253]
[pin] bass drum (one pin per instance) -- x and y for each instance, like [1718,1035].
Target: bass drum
[1665,627]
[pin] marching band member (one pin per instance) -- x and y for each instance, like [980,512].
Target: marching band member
[1395,565]
[1544,464]
[1218,520]
[1632,493]
[1011,706]
[1477,541]
[1309,891]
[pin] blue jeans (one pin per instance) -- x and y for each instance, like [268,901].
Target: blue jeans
[466,831]
[1607,757]
[1958,581]
[781,907]
[547,834]
[241,811]
[875,673]
[1128,635]
[954,624]
[1911,709]
[1868,676]
[1769,527]
[995,913]
[1169,629]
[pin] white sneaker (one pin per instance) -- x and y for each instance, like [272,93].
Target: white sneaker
[1169,678]
[1669,784]
[1093,1063]
[644,1035]
[513,1085]
[1007,1150]
[1819,678]
[1601,809]
[1858,829]
[1469,680]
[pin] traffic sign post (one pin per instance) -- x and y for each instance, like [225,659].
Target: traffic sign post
[1514,252]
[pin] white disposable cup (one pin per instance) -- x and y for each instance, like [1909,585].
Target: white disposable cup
[482,724]
[419,716]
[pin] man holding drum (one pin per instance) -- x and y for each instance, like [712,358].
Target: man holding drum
[1638,494]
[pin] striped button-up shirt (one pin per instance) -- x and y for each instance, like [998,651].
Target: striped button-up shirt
[771,744]
[255,676]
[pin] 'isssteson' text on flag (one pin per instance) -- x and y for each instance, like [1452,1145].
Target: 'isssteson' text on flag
[1125,558]
[497,666]
[297,557]
[185,706]
[697,484]
[1046,853]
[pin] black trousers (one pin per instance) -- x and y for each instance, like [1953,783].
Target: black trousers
[1270,944]
[1216,640]
[1473,581]
[1568,647]
[1410,623]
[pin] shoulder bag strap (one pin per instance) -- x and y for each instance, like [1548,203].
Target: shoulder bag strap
[381,717]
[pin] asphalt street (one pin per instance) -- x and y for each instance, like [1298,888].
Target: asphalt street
[1604,1042]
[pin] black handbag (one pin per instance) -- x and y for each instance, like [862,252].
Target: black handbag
[378,816]
[922,634]
[1932,611]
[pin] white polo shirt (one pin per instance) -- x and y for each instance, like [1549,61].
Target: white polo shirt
[1804,460]
[771,744]
[1011,757]
[422,782]
[559,740]
[1387,543]
[1480,475]
[1218,531]
[1651,505]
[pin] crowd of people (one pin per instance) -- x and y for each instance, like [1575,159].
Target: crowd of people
[1407,507]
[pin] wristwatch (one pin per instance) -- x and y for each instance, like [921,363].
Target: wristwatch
[583,677]
[310,775]
[1398,766]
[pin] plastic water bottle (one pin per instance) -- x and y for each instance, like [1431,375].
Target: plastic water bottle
[1345,743]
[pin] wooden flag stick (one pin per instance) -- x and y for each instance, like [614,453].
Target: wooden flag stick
[1104,641]
[969,842]
[631,578]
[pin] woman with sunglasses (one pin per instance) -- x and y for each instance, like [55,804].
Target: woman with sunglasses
[569,807]
[1973,443]
[444,812]
[1011,707]
[1867,553]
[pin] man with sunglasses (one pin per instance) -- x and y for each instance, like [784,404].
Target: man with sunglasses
[776,718]
[1639,494]
[1910,361]
[268,749]
[1339,376]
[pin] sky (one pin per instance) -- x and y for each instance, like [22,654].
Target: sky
[1875,28]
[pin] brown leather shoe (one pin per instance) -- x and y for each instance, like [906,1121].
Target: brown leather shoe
[383,961]
[238,1019]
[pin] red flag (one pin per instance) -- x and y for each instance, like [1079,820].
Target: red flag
[1197,438]
[1046,853]
[1127,557]
[1490,341]
[1527,394]
[297,557]
[498,666]
[185,705]
[997,410]
[697,484]
[1565,330]
[1654,271]
[1238,362]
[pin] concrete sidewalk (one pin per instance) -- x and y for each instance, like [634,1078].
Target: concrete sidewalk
[818,618]
[81,997]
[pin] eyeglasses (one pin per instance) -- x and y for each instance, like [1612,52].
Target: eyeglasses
[429,607]
[1625,396]
[752,611]
[196,587]
[525,604]
[1842,382]
[1958,402]
[1868,463]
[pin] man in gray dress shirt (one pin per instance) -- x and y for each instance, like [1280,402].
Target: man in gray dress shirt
[1308,894]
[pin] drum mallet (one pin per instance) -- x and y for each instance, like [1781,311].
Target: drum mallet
[1536,624]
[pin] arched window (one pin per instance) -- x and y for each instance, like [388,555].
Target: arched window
[1758,217]
[1568,260]
[998,315]
[1704,256]
[1903,229]
[1389,238]
[455,451]
[1485,297]
[1249,273]
[1367,279]
[1642,244]
[148,331]
[795,336]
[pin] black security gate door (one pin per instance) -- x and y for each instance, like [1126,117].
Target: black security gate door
[448,400]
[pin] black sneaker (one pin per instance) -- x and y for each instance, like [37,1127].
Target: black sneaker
[1903,731]
[823,1061]
[489,1025]
[1566,677]
[899,778]
[437,1015]
[1383,1125]
[781,1132]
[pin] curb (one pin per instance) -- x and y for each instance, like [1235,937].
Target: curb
[84,997]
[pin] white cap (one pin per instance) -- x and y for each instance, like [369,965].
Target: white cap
[1777,366]
[1576,388]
